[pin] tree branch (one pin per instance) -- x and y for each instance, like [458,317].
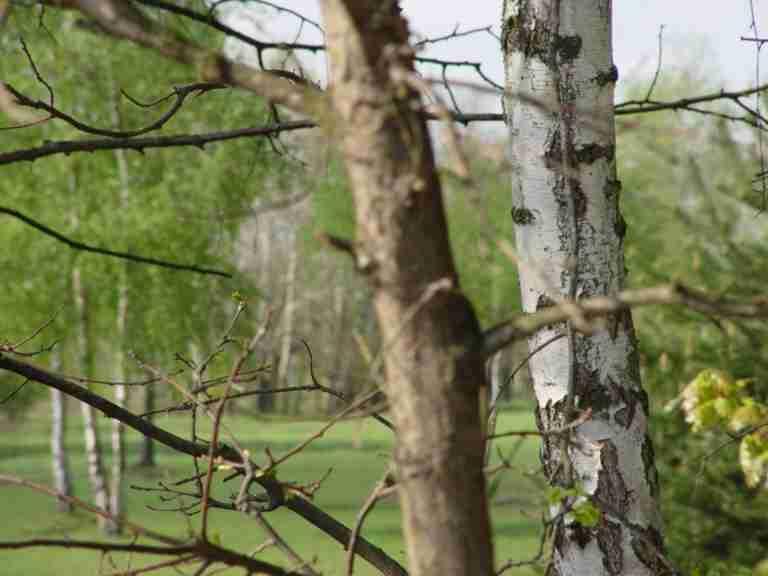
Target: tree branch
[307,510]
[524,325]
[75,245]
[180,92]
[644,106]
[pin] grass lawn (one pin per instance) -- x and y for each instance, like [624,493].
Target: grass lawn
[357,452]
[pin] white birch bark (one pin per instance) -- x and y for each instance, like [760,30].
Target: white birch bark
[560,85]
[92,447]
[118,430]
[61,478]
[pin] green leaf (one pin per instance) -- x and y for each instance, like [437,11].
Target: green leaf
[586,514]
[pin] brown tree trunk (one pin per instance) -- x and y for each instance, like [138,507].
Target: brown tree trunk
[434,371]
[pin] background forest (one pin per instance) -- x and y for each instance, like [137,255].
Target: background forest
[263,210]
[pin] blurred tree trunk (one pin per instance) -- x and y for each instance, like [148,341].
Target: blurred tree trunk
[118,430]
[265,402]
[434,368]
[569,231]
[340,339]
[147,447]
[289,313]
[61,477]
[92,446]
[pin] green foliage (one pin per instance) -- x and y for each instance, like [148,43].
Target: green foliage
[582,510]
[181,205]
[714,400]
[332,207]
[478,216]
[685,181]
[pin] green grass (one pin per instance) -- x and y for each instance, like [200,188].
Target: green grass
[357,453]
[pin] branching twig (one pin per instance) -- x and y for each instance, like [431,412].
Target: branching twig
[383,488]
[200,140]
[181,93]
[300,506]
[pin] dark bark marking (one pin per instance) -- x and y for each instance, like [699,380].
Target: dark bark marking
[651,473]
[648,546]
[579,198]
[611,76]
[544,301]
[609,542]
[592,394]
[589,153]
[611,488]
[522,216]
[626,414]
[620,226]
[553,154]
[612,188]
[581,535]
[567,48]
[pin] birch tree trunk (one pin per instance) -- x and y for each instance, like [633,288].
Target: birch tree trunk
[61,477]
[434,369]
[289,312]
[147,447]
[118,430]
[264,402]
[92,447]
[340,339]
[560,83]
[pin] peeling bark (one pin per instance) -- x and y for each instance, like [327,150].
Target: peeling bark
[434,368]
[569,232]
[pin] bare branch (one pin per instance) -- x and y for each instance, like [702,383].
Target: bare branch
[452,35]
[213,22]
[525,325]
[67,147]
[644,106]
[75,245]
[180,92]
[304,508]
[382,488]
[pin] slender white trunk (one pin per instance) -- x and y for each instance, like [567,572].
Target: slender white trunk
[265,402]
[61,477]
[92,448]
[340,338]
[289,311]
[118,432]
[560,84]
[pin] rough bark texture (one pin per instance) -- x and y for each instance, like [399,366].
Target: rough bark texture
[560,84]
[61,478]
[434,370]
